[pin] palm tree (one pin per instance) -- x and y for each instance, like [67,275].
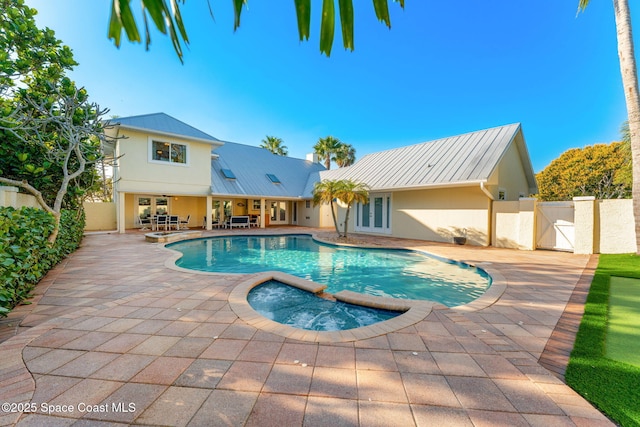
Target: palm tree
[325,192]
[627,59]
[326,149]
[168,20]
[345,156]
[350,192]
[274,145]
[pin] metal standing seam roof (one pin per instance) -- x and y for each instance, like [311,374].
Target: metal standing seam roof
[165,124]
[457,160]
[251,166]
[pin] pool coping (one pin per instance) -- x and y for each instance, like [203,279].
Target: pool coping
[414,310]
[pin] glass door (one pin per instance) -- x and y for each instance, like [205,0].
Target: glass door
[278,213]
[375,216]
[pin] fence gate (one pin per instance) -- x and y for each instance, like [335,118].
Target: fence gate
[555,226]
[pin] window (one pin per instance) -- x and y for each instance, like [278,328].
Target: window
[502,194]
[228,173]
[170,152]
[273,178]
[256,205]
[308,204]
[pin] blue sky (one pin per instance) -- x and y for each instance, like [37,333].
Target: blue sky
[444,68]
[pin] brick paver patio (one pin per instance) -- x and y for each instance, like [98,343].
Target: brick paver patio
[115,337]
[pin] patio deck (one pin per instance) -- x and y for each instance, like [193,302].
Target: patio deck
[117,337]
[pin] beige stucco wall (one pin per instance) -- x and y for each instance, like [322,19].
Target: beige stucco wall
[319,216]
[513,224]
[9,196]
[510,176]
[617,226]
[441,214]
[100,216]
[137,174]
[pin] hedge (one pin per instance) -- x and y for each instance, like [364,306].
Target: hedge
[25,253]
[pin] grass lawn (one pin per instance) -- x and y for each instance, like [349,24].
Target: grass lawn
[623,333]
[611,385]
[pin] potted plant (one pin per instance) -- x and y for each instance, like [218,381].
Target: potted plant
[461,240]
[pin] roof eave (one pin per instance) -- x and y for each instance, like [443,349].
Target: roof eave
[431,186]
[215,143]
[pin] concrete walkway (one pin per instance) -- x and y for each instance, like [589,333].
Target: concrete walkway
[116,338]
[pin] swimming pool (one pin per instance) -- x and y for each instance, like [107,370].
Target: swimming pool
[301,309]
[393,273]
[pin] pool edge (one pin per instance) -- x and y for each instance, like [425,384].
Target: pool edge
[417,311]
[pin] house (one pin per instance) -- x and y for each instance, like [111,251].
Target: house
[164,165]
[433,191]
[441,189]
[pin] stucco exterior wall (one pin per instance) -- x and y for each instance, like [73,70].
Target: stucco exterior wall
[513,224]
[100,216]
[616,231]
[138,174]
[510,176]
[9,196]
[441,214]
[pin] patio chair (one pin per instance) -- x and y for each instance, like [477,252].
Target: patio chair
[184,223]
[173,221]
[144,223]
[255,221]
[161,221]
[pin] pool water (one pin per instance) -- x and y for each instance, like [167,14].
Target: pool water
[301,309]
[381,272]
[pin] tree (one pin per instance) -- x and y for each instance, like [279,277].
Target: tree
[596,170]
[324,192]
[50,132]
[70,131]
[345,155]
[274,145]
[350,192]
[327,148]
[169,20]
[347,191]
[627,59]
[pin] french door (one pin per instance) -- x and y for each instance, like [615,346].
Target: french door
[375,216]
[278,213]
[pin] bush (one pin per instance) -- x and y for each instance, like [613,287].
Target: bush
[25,253]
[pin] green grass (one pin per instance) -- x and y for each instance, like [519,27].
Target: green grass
[623,333]
[612,386]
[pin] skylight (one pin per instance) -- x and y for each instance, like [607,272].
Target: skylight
[228,173]
[273,178]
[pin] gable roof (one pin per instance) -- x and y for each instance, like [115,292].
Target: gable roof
[251,166]
[458,160]
[164,124]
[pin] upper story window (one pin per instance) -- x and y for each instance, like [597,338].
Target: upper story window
[170,152]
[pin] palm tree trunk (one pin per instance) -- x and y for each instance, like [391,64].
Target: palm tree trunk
[335,218]
[630,84]
[346,220]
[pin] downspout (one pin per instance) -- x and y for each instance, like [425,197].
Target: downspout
[490,222]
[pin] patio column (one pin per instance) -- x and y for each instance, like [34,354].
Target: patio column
[263,218]
[120,213]
[584,222]
[208,212]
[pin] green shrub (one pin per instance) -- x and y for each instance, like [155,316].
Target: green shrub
[25,253]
